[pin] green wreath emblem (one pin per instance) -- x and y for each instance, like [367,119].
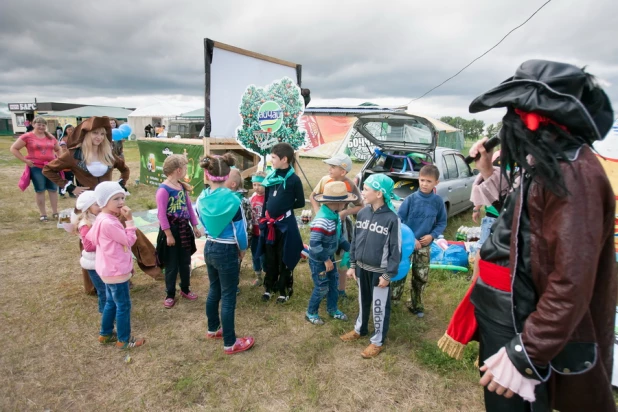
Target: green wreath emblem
[282,106]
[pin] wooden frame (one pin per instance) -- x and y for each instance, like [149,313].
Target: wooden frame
[212,145]
[255,55]
[209,46]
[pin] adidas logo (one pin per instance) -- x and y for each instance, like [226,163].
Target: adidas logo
[374,227]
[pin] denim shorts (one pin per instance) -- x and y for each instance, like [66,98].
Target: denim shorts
[40,182]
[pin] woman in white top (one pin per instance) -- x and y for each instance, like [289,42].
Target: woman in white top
[89,156]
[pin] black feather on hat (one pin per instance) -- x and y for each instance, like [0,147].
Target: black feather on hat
[562,92]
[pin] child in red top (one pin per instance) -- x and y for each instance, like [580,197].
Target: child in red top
[87,204]
[257,204]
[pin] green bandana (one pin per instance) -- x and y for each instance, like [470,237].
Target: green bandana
[384,184]
[273,179]
[325,212]
[217,208]
[492,210]
[257,179]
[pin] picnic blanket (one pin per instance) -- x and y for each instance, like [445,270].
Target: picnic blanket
[148,223]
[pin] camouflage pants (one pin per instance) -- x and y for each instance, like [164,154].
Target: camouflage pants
[397,287]
[420,273]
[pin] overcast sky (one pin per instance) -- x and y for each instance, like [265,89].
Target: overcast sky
[132,53]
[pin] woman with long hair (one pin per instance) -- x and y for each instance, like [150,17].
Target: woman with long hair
[89,157]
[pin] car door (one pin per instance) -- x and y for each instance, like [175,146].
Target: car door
[452,183]
[466,179]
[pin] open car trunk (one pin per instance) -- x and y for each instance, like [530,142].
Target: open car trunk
[398,131]
[399,166]
[405,143]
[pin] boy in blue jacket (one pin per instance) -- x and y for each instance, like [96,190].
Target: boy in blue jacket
[423,212]
[326,237]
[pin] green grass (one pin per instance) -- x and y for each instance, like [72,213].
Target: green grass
[51,359]
[6,157]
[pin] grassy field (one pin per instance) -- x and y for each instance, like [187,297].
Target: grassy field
[51,358]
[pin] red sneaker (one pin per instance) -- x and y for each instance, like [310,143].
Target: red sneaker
[169,303]
[241,345]
[190,295]
[215,335]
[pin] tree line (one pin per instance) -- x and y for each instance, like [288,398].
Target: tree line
[473,129]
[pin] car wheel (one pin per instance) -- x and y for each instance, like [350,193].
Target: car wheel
[447,205]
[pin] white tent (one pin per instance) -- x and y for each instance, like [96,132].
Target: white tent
[160,112]
[4,111]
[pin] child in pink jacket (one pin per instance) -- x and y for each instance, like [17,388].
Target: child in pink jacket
[114,262]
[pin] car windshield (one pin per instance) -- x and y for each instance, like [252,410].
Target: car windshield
[400,131]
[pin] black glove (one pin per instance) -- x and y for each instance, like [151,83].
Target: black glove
[69,188]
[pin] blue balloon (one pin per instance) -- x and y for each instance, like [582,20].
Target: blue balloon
[125,129]
[117,135]
[407,248]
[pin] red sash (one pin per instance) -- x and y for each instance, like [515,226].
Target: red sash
[270,225]
[462,326]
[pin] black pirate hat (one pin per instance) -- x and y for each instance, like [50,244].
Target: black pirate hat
[561,92]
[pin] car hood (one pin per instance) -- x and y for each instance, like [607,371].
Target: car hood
[398,130]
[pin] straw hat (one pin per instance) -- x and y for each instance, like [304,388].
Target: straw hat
[335,192]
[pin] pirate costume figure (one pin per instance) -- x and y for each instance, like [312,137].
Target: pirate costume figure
[543,302]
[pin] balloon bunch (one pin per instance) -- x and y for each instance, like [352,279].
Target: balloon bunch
[122,132]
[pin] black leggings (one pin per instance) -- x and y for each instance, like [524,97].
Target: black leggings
[277,277]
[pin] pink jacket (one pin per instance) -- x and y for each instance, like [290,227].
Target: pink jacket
[486,192]
[114,261]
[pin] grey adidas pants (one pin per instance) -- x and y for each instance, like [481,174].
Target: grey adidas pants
[375,302]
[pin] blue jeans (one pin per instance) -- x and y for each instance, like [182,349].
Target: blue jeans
[258,263]
[100,287]
[325,284]
[486,224]
[223,270]
[118,308]
[40,182]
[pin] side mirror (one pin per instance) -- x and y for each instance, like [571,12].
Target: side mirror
[476,172]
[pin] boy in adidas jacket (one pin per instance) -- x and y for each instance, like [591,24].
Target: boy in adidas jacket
[375,255]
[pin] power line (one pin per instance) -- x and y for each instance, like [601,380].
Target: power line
[470,64]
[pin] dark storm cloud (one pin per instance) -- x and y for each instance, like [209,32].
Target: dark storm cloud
[71,49]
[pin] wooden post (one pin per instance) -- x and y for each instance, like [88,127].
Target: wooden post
[221,145]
